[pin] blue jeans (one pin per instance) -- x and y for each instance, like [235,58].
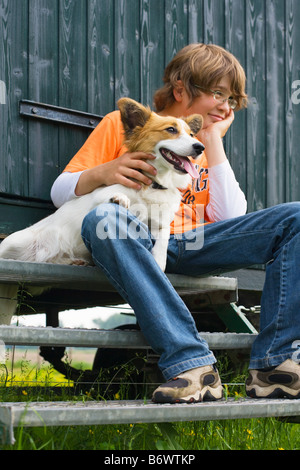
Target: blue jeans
[270,236]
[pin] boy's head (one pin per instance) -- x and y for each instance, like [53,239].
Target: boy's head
[203,65]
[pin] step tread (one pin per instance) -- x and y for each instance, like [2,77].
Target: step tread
[92,278]
[135,411]
[80,337]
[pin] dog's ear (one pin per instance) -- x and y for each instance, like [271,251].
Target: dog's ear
[133,114]
[195,122]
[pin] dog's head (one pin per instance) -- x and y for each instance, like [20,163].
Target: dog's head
[170,139]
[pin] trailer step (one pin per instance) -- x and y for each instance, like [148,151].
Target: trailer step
[79,337]
[91,278]
[137,411]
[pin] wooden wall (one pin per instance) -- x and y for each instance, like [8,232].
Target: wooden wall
[85,54]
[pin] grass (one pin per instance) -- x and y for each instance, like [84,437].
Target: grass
[256,434]
[25,380]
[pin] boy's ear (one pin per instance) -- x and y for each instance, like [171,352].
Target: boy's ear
[133,114]
[195,122]
[178,91]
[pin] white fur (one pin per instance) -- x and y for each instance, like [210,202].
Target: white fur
[57,238]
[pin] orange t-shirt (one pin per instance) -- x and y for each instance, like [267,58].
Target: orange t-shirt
[106,143]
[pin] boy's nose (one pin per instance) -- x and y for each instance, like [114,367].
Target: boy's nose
[198,148]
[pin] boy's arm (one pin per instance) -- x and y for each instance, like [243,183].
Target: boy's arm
[126,170]
[63,188]
[226,199]
[71,185]
[102,160]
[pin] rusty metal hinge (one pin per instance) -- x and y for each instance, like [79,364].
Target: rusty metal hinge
[58,114]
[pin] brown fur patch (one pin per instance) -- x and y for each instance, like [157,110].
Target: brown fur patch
[144,128]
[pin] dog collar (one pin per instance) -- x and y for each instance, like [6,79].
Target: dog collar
[155,185]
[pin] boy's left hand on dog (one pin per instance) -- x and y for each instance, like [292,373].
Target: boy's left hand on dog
[130,169]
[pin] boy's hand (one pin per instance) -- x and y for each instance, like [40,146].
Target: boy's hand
[129,169]
[211,136]
[217,129]
[126,169]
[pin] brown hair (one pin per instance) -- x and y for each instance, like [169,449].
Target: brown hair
[203,65]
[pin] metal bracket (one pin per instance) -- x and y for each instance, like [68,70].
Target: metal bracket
[58,114]
[234,318]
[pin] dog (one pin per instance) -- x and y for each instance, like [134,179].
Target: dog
[57,238]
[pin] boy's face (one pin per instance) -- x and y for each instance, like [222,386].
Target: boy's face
[211,109]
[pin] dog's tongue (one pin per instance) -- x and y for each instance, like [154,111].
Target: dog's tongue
[190,168]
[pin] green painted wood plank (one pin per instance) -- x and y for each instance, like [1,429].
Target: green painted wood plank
[72,69]
[195,21]
[152,22]
[17,214]
[13,71]
[127,49]
[100,57]
[256,121]
[275,101]
[235,140]
[43,143]
[176,26]
[214,22]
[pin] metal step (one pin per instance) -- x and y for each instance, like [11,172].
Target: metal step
[79,337]
[137,411]
[92,278]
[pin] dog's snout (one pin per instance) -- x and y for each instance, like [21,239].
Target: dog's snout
[198,148]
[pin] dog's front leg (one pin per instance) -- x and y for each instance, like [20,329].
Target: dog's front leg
[160,248]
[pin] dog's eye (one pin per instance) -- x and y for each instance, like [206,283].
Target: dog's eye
[172,130]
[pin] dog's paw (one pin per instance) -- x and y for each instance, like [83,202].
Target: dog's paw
[79,262]
[121,199]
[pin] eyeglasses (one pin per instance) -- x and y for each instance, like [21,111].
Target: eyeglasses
[220,97]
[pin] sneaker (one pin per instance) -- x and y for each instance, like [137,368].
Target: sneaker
[282,381]
[195,385]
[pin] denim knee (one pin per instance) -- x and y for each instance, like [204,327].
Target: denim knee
[291,215]
[109,222]
[90,224]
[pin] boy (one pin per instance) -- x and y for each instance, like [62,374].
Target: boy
[208,80]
